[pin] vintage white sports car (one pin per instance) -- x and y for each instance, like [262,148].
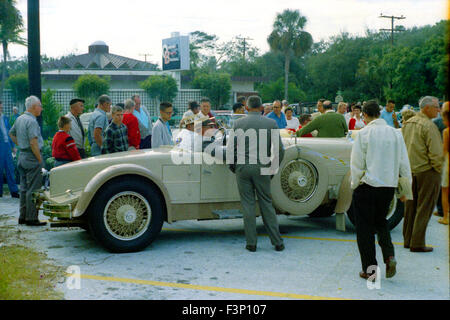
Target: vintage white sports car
[124,198]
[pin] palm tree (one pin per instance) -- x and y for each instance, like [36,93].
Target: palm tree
[289,38]
[11,25]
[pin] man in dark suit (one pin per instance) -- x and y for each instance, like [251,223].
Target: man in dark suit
[253,170]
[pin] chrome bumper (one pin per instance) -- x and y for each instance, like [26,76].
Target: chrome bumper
[50,209]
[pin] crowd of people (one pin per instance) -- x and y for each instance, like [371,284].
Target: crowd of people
[404,152]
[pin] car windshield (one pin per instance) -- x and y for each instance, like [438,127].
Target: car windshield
[226,119]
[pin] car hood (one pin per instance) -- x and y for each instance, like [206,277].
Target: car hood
[76,175]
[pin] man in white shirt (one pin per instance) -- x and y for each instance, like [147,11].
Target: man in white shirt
[378,158]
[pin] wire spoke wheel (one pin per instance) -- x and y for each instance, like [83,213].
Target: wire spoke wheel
[127,215]
[299,180]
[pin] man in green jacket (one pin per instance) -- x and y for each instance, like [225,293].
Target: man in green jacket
[329,125]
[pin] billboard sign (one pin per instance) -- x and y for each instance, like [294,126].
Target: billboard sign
[175,53]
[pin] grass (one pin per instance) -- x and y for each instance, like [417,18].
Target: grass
[25,273]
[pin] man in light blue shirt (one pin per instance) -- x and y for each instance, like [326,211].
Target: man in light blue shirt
[161,134]
[145,122]
[389,115]
[98,124]
[277,115]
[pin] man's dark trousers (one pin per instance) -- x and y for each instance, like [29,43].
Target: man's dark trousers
[30,181]
[249,180]
[146,143]
[371,204]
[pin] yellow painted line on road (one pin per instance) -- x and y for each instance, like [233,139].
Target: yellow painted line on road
[283,236]
[209,288]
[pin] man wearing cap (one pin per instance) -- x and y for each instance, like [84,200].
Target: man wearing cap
[145,122]
[26,134]
[210,144]
[185,138]
[76,129]
[98,124]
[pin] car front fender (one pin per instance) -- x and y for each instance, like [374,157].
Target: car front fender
[116,171]
[345,194]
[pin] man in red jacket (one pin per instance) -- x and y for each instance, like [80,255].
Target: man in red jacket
[132,124]
[64,148]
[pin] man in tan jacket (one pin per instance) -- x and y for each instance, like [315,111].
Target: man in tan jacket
[424,145]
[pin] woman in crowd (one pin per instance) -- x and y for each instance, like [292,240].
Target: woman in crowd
[292,122]
[357,121]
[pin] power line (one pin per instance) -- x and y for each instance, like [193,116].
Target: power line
[145,55]
[245,43]
[392,29]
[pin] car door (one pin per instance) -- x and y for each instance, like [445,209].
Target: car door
[217,182]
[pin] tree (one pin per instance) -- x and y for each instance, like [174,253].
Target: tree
[11,25]
[274,91]
[200,42]
[19,85]
[90,87]
[52,112]
[163,88]
[289,38]
[216,86]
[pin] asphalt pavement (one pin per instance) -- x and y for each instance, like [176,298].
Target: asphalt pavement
[196,260]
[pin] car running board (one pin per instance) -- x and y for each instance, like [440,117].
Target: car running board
[227,214]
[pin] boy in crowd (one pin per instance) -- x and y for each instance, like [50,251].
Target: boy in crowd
[64,148]
[116,134]
[162,135]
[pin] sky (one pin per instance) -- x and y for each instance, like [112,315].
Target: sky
[135,27]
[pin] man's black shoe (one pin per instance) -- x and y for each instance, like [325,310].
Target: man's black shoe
[22,221]
[279,247]
[36,223]
[15,195]
[391,265]
[250,248]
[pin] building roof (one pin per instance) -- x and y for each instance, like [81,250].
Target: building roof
[99,58]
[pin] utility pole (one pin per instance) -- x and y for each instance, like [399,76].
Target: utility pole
[34,52]
[392,29]
[245,43]
[145,55]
